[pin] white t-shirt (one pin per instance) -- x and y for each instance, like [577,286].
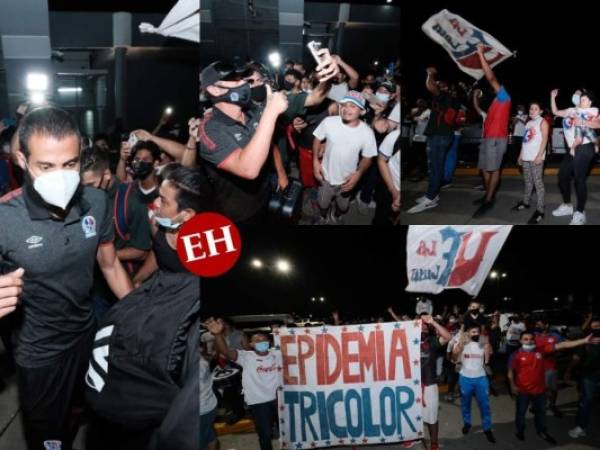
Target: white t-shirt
[519,130]
[259,377]
[208,400]
[513,334]
[386,149]
[344,146]
[472,360]
[338,91]
[568,125]
[532,139]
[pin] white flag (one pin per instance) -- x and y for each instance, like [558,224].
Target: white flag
[452,257]
[460,38]
[183,22]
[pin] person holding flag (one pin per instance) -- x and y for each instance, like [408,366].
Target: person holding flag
[495,136]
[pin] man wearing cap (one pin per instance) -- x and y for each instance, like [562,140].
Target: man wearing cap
[341,166]
[235,138]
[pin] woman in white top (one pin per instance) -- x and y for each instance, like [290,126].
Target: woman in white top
[531,158]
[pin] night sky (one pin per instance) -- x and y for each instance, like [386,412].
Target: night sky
[355,269]
[554,46]
[362,272]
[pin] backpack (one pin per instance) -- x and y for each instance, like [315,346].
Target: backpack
[120,220]
[143,350]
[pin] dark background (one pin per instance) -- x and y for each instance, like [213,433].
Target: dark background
[362,273]
[554,41]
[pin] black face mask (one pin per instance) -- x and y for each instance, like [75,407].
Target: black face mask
[259,93]
[142,169]
[288,86]
[538,330]
[240,96]
[475,338]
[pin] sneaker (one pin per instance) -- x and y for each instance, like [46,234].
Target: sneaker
[466,428]
[409,444]
[483,209]
[420,207]
[536,218]
[563,210]
[520,435]
[425,199]
[446,186]
[490,436]
[577,432]
[520,206]
[335,220]
[479,187]
[363,208]
[372,204]
[578,218]
[545,436]
[449,398]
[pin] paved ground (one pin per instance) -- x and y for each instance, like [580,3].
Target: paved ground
[456,208]
[451,437]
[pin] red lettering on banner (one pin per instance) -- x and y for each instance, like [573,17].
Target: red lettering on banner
[465,269]
[455,24]
[424,251]
[324,373]
[287,360]
[349,358]
[399,350]
[303,356]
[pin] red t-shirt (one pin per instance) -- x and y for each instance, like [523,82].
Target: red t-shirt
[528,368]
[541,341]
[496,122]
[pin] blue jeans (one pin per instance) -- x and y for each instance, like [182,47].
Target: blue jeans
[207,429]
[437,147]
[264,415]
[479,387]
[589,390]
[538,403]
[451,159]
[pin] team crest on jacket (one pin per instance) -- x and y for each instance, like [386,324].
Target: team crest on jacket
[89,226]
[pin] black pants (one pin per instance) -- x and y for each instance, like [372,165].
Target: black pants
[577,167]
[538,403]
[265,415]
[50,395]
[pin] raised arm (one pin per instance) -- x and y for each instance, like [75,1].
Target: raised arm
[430,83]
[572,344]
[477,94]
[555,110]
[487,70]
[216,328]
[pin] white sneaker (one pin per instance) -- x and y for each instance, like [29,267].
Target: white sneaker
[372,204]
[563,210]
[424,199]
[577,432]
[578,218]
[420,207]
[334,220]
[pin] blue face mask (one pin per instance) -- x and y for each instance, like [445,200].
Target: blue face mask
[167,223]
[261,347]
[576,99]
[528,347]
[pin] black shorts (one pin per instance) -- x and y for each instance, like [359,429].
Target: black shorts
[50,394]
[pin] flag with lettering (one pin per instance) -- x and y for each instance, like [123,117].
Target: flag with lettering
[452,257]
[460,38]
[349,385]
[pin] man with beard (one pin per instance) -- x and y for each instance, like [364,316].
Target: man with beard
[54,229]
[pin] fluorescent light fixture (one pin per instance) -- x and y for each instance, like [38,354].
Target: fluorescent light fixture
[69,90]
[275,59]
[37,81]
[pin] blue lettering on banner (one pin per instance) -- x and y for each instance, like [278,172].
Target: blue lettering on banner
[450,255]
[424,274]
[394,404]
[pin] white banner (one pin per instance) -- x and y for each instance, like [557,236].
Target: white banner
[460,38]
[349,385]
[449,257]
[183,21]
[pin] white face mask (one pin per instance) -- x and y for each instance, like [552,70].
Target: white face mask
[383,97]
[57,187]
